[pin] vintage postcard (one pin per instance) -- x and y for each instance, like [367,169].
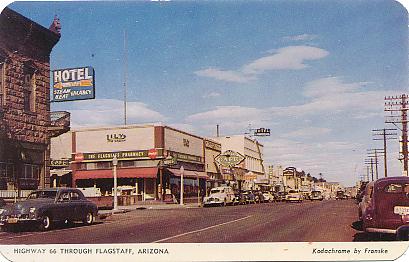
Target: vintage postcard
[204,130]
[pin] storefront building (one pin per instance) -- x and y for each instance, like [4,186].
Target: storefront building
[25,48]
[213,170]
[244,175]
[141,151]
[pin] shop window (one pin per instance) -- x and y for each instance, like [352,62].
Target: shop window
[104,165]
[127,163]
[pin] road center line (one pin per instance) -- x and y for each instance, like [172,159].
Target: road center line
[200,230]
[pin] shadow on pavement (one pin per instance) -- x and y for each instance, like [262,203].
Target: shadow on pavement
[34,228]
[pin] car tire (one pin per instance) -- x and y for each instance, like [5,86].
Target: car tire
[89,218]
[45,223]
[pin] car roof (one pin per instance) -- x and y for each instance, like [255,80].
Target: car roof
[387,180]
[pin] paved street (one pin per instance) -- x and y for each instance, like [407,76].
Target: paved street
[270,222]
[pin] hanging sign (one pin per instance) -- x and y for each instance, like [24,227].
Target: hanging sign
[73,84]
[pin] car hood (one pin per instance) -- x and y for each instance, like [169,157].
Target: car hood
[24,206]
[218,195]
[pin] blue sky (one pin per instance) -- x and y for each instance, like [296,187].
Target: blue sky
[314,72]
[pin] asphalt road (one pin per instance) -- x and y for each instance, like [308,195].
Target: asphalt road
[270,222]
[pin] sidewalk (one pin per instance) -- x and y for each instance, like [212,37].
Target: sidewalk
[143,206]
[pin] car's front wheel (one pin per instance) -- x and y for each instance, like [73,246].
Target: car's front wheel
[45,223]
[89,218]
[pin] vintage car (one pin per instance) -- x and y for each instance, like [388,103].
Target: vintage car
[385,205]
[239,198]
[294,196]
[46,206]
[340,195]
[316,195]
[222,196]
[250,197]
[268,197]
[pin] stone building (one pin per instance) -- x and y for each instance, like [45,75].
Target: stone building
[25,48]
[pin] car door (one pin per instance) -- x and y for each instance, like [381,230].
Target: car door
[77,206]
[62,207]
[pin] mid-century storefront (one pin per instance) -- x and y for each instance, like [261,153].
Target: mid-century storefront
[141,151]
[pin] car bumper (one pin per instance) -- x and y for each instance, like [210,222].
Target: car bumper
[17,221]
[380,230]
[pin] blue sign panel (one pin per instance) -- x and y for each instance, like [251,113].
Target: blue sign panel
[73,84]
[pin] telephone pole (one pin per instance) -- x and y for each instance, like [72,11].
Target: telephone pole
[386,134]
[374,154]
[397,106]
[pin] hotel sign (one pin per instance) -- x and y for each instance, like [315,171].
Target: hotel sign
[229,158]
[121,155]
[73,84]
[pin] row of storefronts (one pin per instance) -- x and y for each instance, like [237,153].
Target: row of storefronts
[150,159]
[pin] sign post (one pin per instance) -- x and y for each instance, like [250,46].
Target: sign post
[115,163]
[182,170]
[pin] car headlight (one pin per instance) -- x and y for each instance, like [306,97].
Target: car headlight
[32,209]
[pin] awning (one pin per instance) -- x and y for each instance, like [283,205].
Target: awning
[141,172]
[59,172]
[188,173]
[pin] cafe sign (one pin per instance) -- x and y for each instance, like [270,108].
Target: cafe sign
[229,158]
[56,163]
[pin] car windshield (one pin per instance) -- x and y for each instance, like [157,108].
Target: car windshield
[42,194]
[213,191]
[315,193]
[292,192]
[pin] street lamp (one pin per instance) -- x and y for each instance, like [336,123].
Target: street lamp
[115,163]
[182,170]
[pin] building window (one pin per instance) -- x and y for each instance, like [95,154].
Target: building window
[29,89]
[2,84]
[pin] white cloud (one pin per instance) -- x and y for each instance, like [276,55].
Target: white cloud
[287,58]
[308,132]
[302,37]
[225,75]
[211,94]
[100,112]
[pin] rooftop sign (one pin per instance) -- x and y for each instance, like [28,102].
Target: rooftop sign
[73,84]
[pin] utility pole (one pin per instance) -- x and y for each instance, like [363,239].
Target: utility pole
[371,161]
[125,73]
[386,134]
[397,106]
[374,154]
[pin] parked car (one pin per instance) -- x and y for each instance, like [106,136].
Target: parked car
[316,195]
[239,198]
[258,196]
[268,197]
[47,206]
[221,196]
[280,196]
[294,196]
[250,197]
[340,195]
[385,205]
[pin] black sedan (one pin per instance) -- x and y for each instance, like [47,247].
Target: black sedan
[47,206]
